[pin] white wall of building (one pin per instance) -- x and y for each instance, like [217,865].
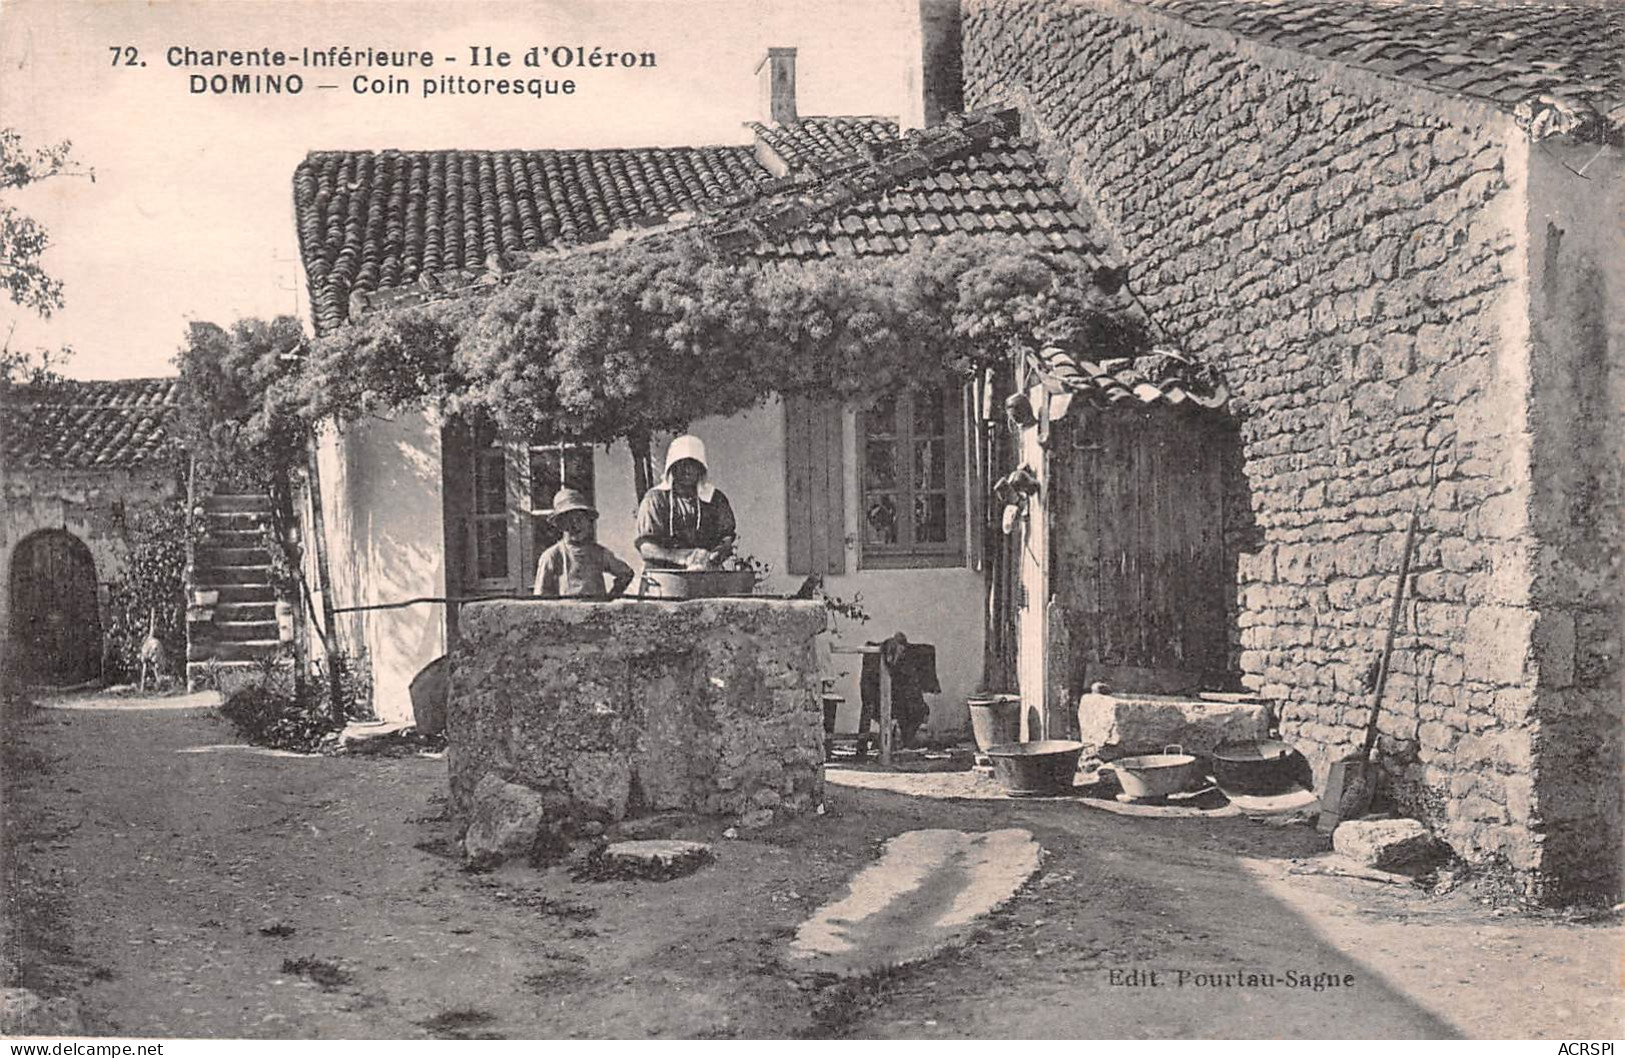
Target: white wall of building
[942,607]
[381,483]
[386,540]
[1032,628]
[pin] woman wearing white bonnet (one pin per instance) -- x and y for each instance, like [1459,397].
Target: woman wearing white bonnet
[685,522]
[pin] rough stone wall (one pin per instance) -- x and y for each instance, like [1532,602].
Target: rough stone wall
[1350,253]
[94,505]
[1577,314]
[613,709]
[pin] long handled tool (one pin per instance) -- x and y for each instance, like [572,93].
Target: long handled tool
[1350,782]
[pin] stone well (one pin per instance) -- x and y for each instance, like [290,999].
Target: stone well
[619,708]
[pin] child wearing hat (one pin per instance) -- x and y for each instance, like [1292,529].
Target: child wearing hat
[576,566]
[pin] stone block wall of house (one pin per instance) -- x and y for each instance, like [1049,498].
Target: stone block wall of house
[1577,321]
[1353,254]
[95,506]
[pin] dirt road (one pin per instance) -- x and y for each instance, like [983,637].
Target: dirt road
[178,883]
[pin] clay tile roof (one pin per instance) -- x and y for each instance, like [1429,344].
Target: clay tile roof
[1555,64]
[1162,378]
[814,139]
[396,227]
[88,425]
[993,186]
[371,221]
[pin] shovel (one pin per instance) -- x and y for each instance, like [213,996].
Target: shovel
[1350,782]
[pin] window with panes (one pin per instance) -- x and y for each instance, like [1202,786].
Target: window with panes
[489,518]
[552,467]
[512,483]
[911,455]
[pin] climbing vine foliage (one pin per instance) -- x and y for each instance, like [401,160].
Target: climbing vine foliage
[151,595]
[240,411]
[648,338]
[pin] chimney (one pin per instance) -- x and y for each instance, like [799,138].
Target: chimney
[933,86]
[777,75]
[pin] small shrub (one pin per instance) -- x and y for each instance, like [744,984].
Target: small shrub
[151,595]
[325,972]
[355,683]
[463,1023]
[836,607]
[268,717]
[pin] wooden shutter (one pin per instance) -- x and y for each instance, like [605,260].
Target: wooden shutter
[814,487]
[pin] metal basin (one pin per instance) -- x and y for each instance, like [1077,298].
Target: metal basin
[696,583]
[1259,767]
[1026,769]
[1156,774]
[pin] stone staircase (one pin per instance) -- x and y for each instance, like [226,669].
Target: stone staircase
[239,631]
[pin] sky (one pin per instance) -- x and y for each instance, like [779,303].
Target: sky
[190,213]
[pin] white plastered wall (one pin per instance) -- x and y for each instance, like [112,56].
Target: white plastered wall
[942,607]
[386,544]
[381,484]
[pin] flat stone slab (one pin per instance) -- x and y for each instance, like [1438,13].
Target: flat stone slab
[1387,844]
[1114,726]
[655,858]
[927,892]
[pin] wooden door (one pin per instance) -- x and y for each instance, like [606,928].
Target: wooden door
[1137,548]
[55,621]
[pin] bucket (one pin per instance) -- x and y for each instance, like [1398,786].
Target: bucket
[1026,769]
[995,719]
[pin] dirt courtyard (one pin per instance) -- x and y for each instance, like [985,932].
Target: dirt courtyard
[177,883]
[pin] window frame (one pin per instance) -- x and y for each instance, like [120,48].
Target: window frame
[518,515]
[484,444]
[522,452]
[912,555]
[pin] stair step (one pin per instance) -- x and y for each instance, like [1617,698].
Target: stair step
[225,530]
[245,611]
[240,501]
[213,556]
[221,521]
[238,631]
[234,673]
[230,576]
[232,650]
[258,594]
[248,536]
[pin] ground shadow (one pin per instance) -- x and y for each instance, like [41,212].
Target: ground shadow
[1120,894]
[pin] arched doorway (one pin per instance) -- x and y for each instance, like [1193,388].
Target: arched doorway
[55,623]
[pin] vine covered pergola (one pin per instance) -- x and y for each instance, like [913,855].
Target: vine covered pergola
[624,342]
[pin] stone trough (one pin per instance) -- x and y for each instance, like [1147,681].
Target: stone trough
[1114,725]
[617,709]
